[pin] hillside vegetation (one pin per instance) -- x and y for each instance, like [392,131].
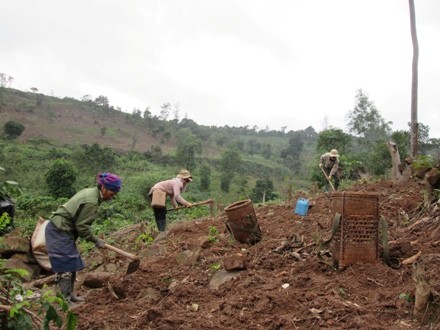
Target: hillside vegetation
[228,163]
[71,123]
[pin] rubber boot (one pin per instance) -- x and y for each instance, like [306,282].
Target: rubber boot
[161,224]
[73,296]
[64,282]
[160,215]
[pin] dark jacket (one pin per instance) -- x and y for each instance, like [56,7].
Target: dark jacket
[76,216]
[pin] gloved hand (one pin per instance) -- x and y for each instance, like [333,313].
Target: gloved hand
[100,243]
[320,165]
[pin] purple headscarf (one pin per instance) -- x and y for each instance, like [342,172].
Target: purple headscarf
[110,181]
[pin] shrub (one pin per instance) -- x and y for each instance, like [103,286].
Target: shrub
[7,209]
[13,129]
[60,179]
[20,303]
[263,191]
[423,161]
[29,206]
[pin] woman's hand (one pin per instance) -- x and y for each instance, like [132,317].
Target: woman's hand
[100,243]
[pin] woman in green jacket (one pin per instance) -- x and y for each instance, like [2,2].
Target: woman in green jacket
[72,220]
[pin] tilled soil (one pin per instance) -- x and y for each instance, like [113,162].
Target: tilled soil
[285,285]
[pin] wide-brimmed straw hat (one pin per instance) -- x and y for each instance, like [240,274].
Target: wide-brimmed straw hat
[334,153]
[184,174]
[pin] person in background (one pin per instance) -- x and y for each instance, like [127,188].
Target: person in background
[173,188]
[329,162]
[72,220]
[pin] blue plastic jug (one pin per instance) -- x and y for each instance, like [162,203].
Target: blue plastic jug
[302,206]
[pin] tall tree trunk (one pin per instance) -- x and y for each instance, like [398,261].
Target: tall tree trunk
[414,123]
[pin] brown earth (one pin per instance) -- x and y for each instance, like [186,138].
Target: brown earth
[284,286]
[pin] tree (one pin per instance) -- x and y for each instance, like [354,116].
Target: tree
[333,138]
[366,122]
[60,178]
[292,153]
[230,161]
[205,176]
[377,161]
[373,131]
[266,150]
[154,154]
[253,146]
[187,148]
[13,129]
[94,158]
[147,113]
[423,140]
[136,114]
[102,101]
[402,140]
[167,136]
[176,112]
[165,111]
[5,80]
[309,134]
[133,142]
[263,191]
[230,164]
[414,83]
[225,181]
[86,98]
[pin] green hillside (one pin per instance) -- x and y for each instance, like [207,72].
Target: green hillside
[227,163]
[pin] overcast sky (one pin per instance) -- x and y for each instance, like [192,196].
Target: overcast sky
[268,63]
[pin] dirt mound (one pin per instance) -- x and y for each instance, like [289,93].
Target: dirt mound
[284,286]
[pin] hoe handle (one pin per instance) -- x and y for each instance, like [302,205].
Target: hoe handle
[328,179]
[209,201]
[121,252]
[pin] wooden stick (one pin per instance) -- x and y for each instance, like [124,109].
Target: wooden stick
[418,222]
[412,259]
[209,201]
[121,252]
[41,282]
[328,179]
[305,246]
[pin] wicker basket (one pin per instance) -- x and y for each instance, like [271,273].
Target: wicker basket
[357,238]
[242,222]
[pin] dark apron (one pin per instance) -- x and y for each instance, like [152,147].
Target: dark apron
[62,251]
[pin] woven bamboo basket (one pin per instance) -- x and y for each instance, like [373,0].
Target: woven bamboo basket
[357,238]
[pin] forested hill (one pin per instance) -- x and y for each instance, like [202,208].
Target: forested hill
[74,122]
[168,140]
